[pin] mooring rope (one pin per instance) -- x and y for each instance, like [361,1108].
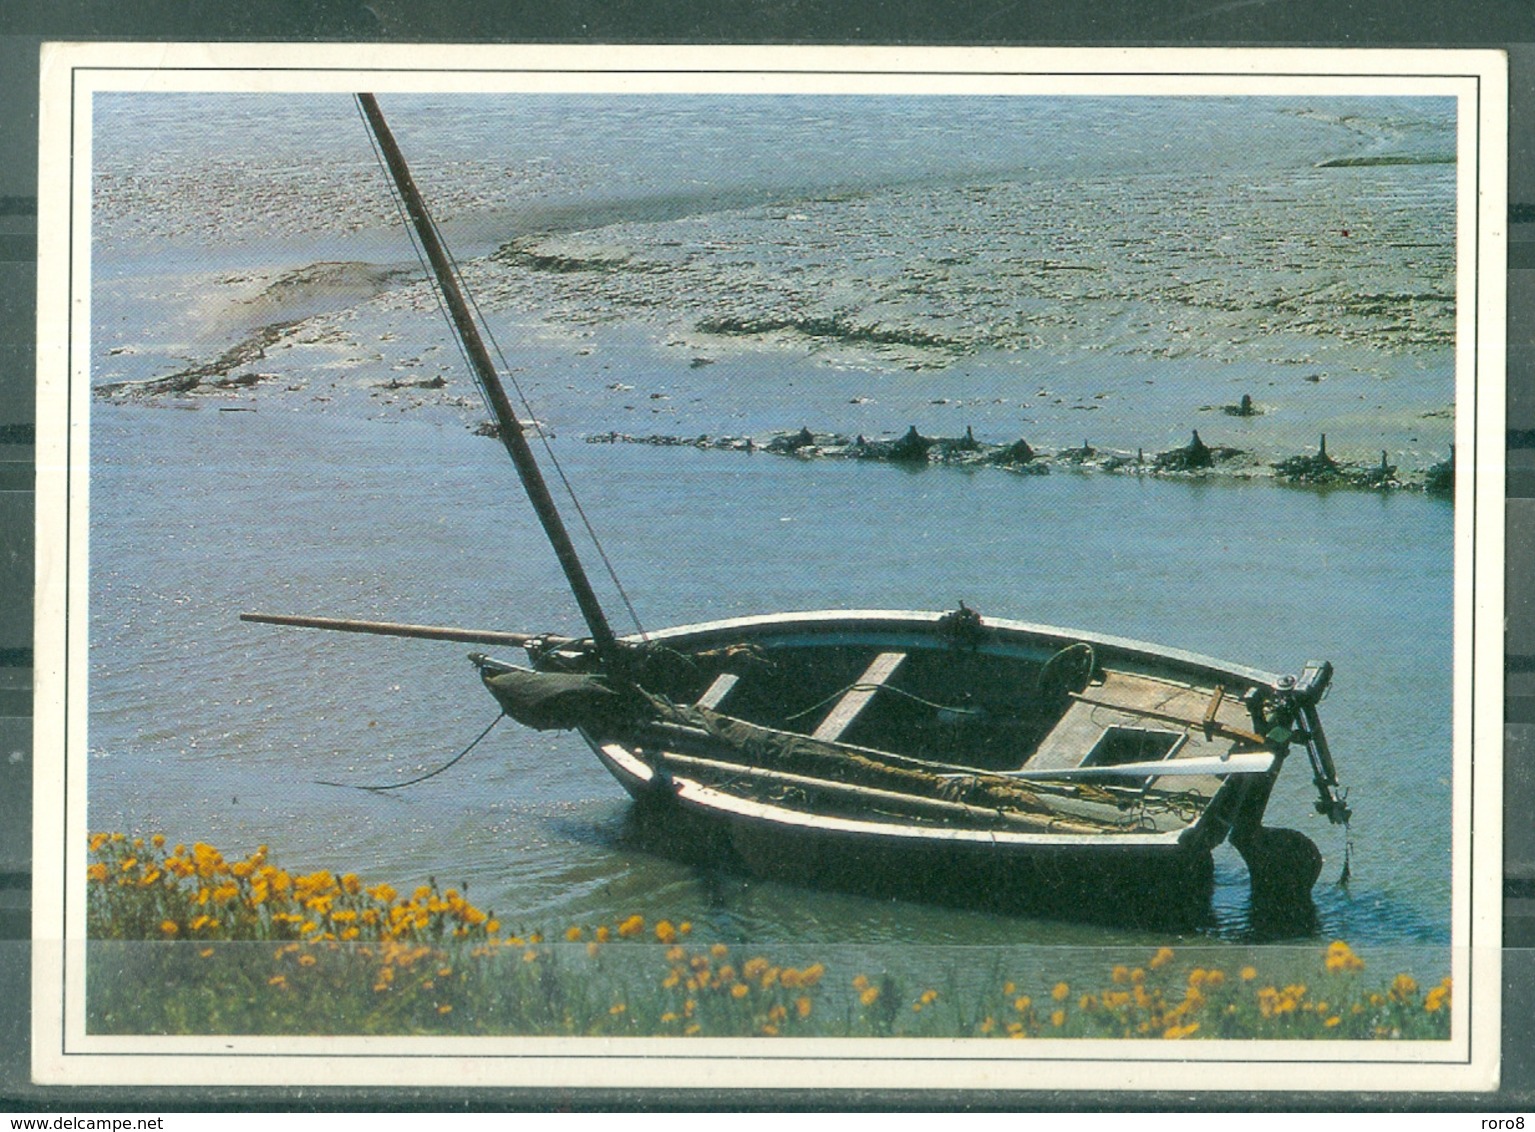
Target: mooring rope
[379,788]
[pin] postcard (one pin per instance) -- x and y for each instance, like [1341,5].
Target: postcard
[785,567]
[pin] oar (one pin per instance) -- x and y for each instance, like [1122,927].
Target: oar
[394,629]
[1253,762]
[1256,762]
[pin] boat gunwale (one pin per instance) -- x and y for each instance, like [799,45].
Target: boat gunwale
[896,620]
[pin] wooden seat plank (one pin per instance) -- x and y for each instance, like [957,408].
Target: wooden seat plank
[715,694]
[852,704]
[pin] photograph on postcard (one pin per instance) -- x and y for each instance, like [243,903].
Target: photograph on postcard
[941,556]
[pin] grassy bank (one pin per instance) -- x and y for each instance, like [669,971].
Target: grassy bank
[187,941]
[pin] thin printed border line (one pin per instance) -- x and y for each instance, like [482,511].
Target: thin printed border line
[76,73]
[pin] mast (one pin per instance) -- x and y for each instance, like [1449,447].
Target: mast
[511,432]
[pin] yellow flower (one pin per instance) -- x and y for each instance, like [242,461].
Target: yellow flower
[631,927]
[1249,974]
[1438,998]
[617,1008]
[573,933]
[802,1006]
[1162,958]
[1341,957]
[665,932]
[1404,987]
[97,872]
[169,927]
[1058,1019]
[158,840]
[1059,992]
[869,996]
[1022,1003]
[719,951]
[740,990]
[1176,1032]
[1120,974]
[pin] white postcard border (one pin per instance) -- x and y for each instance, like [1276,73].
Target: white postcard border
[64,1053]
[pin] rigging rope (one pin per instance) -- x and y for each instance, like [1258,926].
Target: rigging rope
[856,687]
[380,788]
[511,376]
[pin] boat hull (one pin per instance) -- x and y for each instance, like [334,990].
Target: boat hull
[1128,874]
[1164,884]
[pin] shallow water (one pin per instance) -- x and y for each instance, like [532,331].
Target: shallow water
[334,494]
[206,727]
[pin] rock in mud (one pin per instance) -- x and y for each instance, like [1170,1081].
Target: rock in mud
[214,375]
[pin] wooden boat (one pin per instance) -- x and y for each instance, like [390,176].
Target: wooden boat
[938,755]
